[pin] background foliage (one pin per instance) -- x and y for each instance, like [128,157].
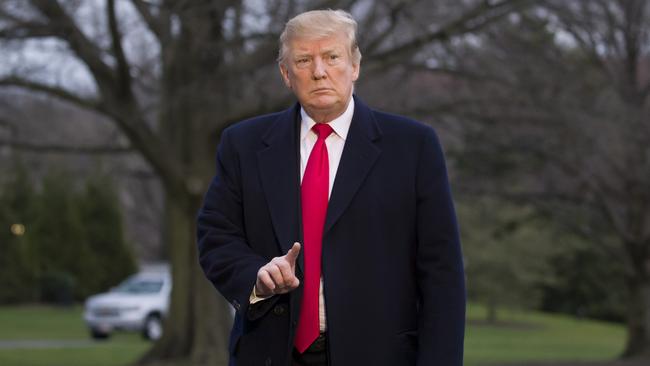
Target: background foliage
[73,242]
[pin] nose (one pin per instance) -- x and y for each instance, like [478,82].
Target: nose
[318,72]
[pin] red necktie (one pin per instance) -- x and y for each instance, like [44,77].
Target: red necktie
[314,194]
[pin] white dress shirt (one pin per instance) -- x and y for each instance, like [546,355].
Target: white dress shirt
[335,143]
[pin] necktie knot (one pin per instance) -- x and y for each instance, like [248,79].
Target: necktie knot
[322,130]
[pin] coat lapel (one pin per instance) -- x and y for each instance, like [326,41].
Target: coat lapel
[359,155]
[279,166]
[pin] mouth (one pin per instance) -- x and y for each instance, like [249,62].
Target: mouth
[321,90]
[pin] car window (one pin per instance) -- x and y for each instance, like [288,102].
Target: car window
[140,286]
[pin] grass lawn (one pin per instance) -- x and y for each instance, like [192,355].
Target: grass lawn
[530,336]
[522,336]
[41,322]
[120,351]
[53,323]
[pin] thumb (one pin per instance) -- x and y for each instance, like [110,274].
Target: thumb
[292,254]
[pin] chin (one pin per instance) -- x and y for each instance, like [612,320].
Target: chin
[325,102]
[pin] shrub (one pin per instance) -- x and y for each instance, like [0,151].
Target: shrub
[73,244]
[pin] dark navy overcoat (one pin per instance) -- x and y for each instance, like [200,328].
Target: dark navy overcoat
[391,261]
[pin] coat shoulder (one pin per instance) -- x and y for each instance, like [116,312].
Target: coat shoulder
[397,125]
[254,126]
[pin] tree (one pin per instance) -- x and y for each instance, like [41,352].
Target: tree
[59,244]
[507,250]
[556,105]
[111,259]
[58,237]
[586,283]
[173,74]
[18,260]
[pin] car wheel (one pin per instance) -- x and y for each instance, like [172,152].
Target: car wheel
[99,334]
[153,328]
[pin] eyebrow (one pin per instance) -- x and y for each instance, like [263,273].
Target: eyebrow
[335,49]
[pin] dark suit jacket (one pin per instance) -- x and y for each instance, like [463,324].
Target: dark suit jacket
[392,266]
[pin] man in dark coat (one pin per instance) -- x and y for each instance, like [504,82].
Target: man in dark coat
[330,226]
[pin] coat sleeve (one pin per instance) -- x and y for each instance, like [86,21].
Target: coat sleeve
[224,254]
[439,264]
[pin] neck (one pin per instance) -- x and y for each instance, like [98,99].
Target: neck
[323,116]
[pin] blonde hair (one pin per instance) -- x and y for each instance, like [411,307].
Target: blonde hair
[320,24]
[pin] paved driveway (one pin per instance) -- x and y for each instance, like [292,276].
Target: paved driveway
[45,343]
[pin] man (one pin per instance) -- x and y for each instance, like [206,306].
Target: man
[330,226]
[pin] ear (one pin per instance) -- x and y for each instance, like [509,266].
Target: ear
[356,69]
[285,74]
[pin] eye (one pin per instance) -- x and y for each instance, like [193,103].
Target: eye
[302,62]
[333,58]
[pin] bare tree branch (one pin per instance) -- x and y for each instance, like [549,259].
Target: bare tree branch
[28,30]
[153,149]
[461,74]
[58,92]
[481,16]
[123,75]
[79,43]
[585,35]
[65,149]
[612,27]
[393,15]
[156,24]
[115,103]
[334,4]
[140,135]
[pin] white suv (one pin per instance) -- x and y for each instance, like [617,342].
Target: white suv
[138,304]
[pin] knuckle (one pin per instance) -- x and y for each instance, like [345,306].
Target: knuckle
[284,266]
[277,280]
[272,270]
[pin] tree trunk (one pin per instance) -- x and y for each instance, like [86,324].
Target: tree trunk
[638,319]
[191,104]
[197,333]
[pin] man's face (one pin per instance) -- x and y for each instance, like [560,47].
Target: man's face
[321,74]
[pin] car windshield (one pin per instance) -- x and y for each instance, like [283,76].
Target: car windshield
[140,286]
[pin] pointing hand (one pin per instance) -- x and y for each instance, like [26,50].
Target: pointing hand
[279,275]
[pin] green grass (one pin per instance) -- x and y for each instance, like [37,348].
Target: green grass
[41,322]
[522,336]
[119,351]
[531,336]
[52,323]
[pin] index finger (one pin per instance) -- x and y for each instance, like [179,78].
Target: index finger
[293,253]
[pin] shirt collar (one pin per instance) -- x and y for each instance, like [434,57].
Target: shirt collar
[340,125]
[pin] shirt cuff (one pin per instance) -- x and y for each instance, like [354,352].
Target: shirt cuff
[255,299]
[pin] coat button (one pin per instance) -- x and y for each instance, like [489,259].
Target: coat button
[268,362]
[278,310]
